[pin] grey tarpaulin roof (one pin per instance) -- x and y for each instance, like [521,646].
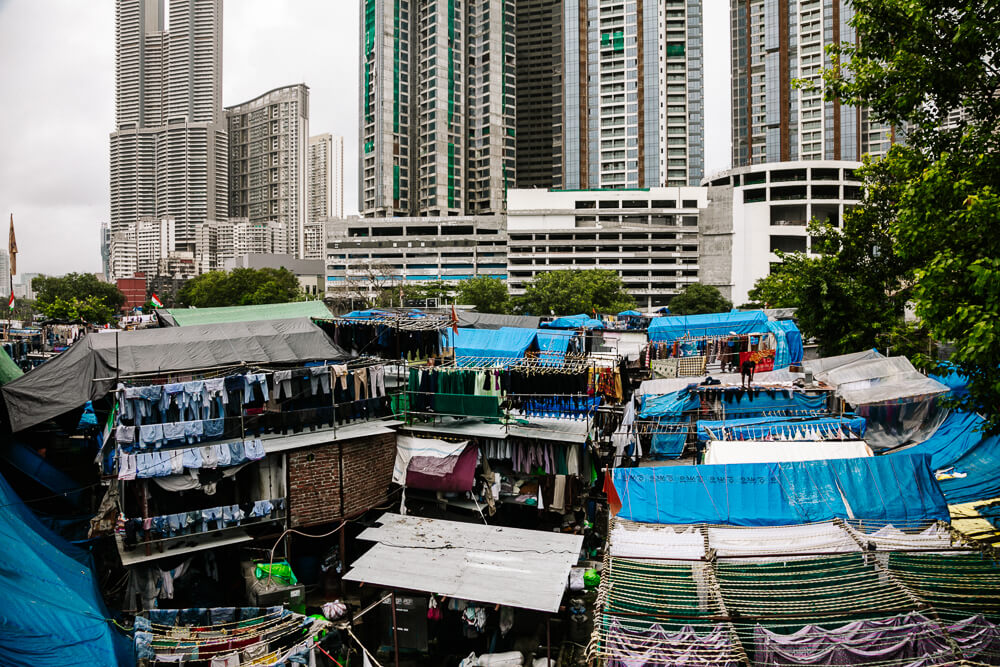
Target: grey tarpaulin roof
[67,381]
[520,568]
[474,320]
[879,380]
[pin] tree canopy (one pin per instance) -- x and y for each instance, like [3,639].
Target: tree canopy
[697,298]
[241,287]
[488,295]
[931,68]
[568,292]
[77,296]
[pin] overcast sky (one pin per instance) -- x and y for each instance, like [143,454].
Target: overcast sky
[57,104]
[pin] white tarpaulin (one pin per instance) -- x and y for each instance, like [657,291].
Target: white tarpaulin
[407,447]
[783,540]
[779,451]
[879,380]
[628,539]
[527,569]
[646,540]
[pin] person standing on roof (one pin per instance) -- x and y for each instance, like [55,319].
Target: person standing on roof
[746,373]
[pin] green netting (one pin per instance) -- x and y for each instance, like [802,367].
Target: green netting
[645,592]
[958,585]
[8,369]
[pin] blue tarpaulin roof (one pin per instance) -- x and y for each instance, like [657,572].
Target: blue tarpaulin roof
[52,612]
[670,432]
[506,342]
[960,444]
[630,313]
[758,428]
[891,489]
[574,322]
[748,406]
[981,467]
[552,345]
[673,327]
[955,381]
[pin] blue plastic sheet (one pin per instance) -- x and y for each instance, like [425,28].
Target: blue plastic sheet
[793,338]
[670,431]
[506,342]
[955,381]
[552,345]
[574,322]
[758,428]
[673,327]
[958,434]
[898,489]
[52,611]
[630,313]
[960,444]
[744,405]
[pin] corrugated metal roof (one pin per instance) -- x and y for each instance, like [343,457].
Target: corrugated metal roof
[185,317]
[539,428]
[519,568]
[277,442]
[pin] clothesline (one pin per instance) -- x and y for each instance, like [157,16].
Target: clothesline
[403,323]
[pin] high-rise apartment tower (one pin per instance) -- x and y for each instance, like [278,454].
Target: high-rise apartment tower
[774,43]
[633,111]
[437,106]
[268,157]
[325,176]
[168,150]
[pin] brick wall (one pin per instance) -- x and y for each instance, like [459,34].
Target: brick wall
[314,478]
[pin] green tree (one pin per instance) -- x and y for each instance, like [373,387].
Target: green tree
[77,296]
[570,292]
[916,64]
[488,295]
[853,296]
[240,287]
[425,291]
[697,298]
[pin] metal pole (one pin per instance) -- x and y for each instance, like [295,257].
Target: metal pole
[395,632]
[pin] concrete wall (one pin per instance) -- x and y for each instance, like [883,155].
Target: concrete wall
[715,259]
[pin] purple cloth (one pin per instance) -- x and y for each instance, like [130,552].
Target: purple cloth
[449,473]
[912,640]
[655,646]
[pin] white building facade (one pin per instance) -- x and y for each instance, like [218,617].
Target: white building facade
[325,176]
[758,210]
[650,237]
[363,253]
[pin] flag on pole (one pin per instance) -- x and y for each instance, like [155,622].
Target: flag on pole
[10,302]
[156,301]
[12,249]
